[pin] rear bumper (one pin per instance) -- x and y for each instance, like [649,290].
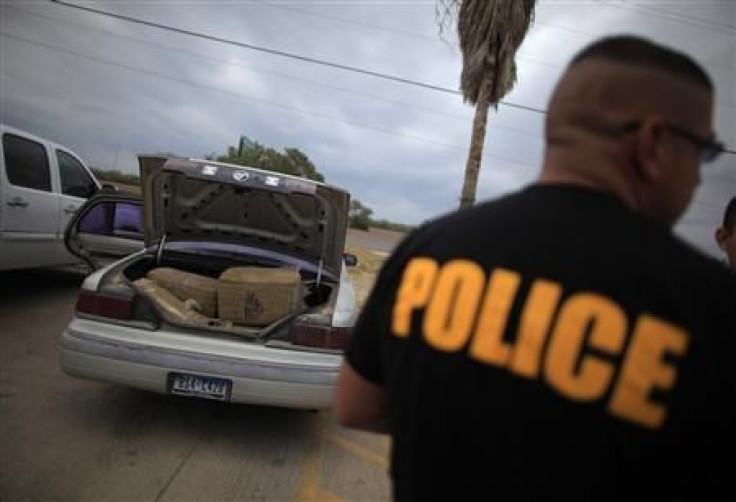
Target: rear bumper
[144,359]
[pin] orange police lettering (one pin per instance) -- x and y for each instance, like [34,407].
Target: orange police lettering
[462,310]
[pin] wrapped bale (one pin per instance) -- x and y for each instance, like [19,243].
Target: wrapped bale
[188,286]
[170,305]
[257,296]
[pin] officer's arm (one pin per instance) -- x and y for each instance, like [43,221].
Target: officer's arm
[359,403]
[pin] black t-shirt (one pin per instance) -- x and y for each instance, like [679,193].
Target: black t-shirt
[553,345]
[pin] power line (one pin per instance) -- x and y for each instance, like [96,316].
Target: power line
[323,62]
[239,65]
[285,54]
[283,106]
[270,103]
[685,20]
[590,35]
[730,27]
[403,33]
[269,72]
[302,111]
[343,20]
[292,109]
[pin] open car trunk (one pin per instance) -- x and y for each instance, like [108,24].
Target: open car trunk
[187,291]
[227,247]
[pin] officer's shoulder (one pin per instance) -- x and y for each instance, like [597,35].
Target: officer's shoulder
[686,259]
[481,210]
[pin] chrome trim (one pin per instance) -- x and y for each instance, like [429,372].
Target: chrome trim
[197,362]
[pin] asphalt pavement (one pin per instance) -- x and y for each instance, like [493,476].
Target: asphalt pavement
[63,438]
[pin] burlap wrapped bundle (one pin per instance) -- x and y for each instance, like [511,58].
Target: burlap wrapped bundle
[188,286]
[170,306]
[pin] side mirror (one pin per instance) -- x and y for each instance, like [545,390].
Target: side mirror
[107,187]
[350,259]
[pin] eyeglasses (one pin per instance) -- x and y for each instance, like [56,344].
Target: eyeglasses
[710,149]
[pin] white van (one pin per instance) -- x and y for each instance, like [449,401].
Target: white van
[42,185]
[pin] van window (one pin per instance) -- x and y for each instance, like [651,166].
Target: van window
[26,164]
[75,180]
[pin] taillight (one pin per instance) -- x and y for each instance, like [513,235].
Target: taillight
[116,307]
[319,336]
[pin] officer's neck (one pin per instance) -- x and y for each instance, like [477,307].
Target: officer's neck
[600,170]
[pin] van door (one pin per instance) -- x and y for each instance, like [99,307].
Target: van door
[30,215]
[77,185]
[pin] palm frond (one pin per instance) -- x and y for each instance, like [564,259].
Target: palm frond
[490,33]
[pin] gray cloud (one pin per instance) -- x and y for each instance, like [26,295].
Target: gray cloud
[409,170]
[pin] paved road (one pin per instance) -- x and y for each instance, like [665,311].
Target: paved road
[67,439]
[376,239]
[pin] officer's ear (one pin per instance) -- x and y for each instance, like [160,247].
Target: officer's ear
[722,237]
[649,149]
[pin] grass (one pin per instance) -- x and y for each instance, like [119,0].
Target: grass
[364,274]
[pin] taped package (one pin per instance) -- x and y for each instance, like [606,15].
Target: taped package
[257,296]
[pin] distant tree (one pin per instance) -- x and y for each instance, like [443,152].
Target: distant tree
[303,165]
[115,176]
[359,215]
[253,154]
[390,225]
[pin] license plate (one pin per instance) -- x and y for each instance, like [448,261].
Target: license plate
[185,384]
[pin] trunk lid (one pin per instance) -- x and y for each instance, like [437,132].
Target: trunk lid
[202,200]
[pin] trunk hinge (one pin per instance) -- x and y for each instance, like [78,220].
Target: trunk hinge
[322,253]
[160,249]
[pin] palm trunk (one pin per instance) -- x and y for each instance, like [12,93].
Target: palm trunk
[472,168]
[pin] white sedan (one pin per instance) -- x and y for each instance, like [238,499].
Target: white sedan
[203,217]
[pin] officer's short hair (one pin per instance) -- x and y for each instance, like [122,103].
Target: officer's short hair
[638,51]
[729,216]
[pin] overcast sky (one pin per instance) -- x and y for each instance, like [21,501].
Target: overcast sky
[109,89]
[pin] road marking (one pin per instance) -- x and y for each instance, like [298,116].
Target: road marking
[360,451]
[310,485]
[176,472]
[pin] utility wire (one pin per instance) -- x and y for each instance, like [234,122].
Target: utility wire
[285,54]
[695,19]
[408,34]
[342,20]
[302,111]
[373,97]
[675,17]
[280,105]
[290,108]
[323,62]
[591,36]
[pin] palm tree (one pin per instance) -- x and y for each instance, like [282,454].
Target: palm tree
[490,32]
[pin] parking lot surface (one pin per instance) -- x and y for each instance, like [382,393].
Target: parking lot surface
[63,438]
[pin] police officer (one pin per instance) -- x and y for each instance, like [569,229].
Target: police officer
[560,343]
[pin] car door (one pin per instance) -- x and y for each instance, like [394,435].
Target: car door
[30,215]
[106,228]
[77,185]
